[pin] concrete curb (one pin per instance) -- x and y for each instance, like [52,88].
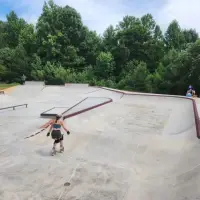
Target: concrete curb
[196,114]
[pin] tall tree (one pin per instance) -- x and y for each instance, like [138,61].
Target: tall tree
[174,36]
[14,26]
[190,36]
[59,31]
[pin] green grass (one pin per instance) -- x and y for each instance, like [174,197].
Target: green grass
[4,85]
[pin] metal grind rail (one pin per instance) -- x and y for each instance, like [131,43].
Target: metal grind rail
[15,106]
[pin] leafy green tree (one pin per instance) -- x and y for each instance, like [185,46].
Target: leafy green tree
[190,36]
[135,54]
[174,36]
[3,72]
[90,47]
[15,62]
[104,66]
[27,38]
[3,34]
[14,26]
[59,32]
[136,79]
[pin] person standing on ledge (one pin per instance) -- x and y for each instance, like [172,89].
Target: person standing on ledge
[56,134]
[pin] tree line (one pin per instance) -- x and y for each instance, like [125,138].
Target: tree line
[133,55]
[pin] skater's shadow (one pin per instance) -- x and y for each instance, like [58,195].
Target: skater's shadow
[43,153]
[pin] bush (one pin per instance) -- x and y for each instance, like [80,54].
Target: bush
[54,81]
[92,82]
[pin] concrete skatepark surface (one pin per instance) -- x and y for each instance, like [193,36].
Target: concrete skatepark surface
[135,148]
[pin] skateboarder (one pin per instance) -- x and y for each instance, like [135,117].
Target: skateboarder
[57,136]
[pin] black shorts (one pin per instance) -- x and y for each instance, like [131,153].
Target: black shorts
[57,136]
[59,140]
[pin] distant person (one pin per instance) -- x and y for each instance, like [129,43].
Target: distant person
[190,87]
[190,91]
[56,134]
[188,94]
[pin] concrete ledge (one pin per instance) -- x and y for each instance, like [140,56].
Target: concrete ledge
[87,109]
[53,115]
[196,114]
[78,112]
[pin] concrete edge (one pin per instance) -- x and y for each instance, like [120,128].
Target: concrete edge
[196,114]
[44,113]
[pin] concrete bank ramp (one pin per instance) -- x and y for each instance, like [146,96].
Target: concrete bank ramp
[26,92]
[174,115]
[137,147]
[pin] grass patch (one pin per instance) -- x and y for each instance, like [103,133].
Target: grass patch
[4,85]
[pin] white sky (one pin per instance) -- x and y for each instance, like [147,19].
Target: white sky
[99,14]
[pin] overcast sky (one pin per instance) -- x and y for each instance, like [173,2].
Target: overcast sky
[99,14]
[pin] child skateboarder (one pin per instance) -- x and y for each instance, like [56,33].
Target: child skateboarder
[57,136]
